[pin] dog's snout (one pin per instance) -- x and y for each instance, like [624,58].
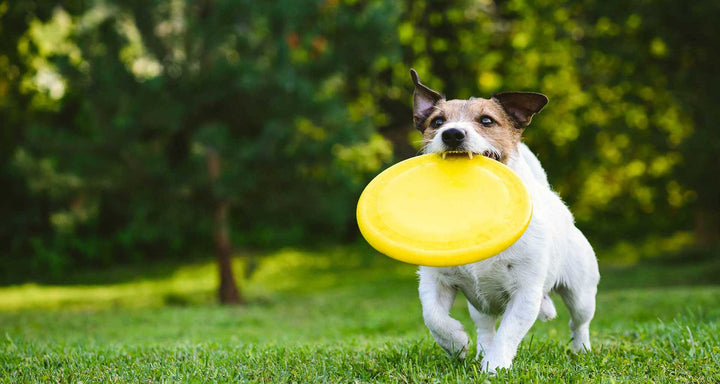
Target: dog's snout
[453,137]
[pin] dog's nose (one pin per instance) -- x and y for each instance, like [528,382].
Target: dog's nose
[453,137]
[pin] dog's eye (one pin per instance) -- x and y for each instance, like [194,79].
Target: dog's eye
[486,121]
[437,122]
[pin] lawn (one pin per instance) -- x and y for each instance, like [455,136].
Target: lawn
[340,314]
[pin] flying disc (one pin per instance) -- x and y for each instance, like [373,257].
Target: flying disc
[435,211]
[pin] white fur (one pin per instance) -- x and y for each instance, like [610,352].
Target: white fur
[473,140]
[552,254]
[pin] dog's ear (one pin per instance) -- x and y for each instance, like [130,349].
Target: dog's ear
[521,106]
[424,99]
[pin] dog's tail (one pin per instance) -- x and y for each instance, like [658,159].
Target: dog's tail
[547,309]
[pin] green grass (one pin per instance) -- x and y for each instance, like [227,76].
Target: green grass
[336,315]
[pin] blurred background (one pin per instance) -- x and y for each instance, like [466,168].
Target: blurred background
[166,132]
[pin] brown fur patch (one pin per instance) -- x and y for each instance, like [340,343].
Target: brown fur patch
[503,135]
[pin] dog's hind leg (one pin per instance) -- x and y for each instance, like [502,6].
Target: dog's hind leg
[578,291]
[437,298]
[485,329]
[581,303]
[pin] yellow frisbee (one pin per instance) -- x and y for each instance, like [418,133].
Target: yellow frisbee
[439,212]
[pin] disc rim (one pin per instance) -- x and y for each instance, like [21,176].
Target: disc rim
[433,257]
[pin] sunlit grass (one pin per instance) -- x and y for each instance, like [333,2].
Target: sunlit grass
[280,271]
[196,281]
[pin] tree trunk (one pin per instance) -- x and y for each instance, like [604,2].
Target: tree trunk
[707,227]
[228,292]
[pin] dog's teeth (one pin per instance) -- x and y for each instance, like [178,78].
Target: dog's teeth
[470,154]
[443,155]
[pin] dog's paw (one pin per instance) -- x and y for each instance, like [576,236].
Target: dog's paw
[579,346]
[580,338]
[491,365]
[547,309]
[452,338]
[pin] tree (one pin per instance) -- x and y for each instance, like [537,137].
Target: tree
[113,114]
[156,96]
[625,133]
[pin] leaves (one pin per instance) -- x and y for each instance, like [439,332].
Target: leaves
[108,107]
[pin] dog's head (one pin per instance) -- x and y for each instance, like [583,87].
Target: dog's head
[490,127]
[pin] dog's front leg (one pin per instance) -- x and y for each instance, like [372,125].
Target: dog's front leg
[485,329]
[520,314]
[437,298]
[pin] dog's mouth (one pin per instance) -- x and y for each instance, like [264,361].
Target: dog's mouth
[489,154]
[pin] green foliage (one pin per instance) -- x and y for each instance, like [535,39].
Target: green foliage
[109,110]
[624,91]
[126,100]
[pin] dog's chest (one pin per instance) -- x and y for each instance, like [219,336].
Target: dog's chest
[487,285]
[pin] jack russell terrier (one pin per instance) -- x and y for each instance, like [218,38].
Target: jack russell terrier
[552,254]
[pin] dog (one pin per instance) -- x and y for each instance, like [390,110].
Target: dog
[551,255]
